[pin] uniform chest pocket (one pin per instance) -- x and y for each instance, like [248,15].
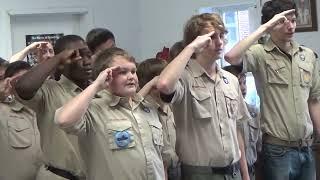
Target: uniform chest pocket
[254,132]
[231,104]
[276,72]
[120,135]
[201,104]
[157,134]
[20,132]
[305,74]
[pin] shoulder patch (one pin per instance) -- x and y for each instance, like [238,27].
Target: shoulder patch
[302,47]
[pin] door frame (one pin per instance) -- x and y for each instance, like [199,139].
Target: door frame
[86,21]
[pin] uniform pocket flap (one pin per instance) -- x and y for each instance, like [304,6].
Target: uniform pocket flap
[20,133]
[305,66]
[275,64]
[120,134]
[200,95]
[156,124]
[230,94]
[119,125]
[19,125]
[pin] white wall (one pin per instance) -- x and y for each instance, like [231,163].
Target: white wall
[120,16]
[163,21]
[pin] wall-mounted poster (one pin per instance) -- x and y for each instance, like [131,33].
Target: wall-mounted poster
[51,38]
[307,15]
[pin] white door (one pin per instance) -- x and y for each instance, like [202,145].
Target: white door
[41,24]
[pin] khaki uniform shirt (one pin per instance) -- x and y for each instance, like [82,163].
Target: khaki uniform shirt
[252,135]
[20,152]
[121,142]
[170,158]
[284,85]
[206,112]
[60,149]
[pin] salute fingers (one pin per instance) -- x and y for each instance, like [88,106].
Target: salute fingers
[279,18]
[287,12]
[202,42]
[67,57]
[105,77]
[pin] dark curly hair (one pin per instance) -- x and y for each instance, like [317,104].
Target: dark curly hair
[273,7]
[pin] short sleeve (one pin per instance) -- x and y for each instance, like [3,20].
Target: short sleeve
[243,113]
[176,96]
[37,102]
[249,60]
[315,89]
[81,127]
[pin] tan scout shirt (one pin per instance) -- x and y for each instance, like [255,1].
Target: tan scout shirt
[60,150]
[170,157]
[20,152]
[206,112]
[252,135]
[284,85]
[121,142]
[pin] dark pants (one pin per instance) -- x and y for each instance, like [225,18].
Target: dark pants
[316,150]
[190,173]
[252,172]
[174,173]
[287,163]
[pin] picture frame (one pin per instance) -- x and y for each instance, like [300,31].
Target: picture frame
[307,15]
[52,38]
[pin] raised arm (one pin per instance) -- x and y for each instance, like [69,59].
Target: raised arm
[234,56]
[19,56]
[171,74]
[72,111]
[145,90]
[29,83]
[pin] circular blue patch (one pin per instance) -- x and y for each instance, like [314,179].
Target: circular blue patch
[122,138]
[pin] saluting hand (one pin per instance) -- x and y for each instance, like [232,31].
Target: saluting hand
[201,42]
[278,19]
[68,56]
[35,46]
[105,78]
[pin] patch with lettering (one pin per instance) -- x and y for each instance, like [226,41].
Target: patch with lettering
[122,138]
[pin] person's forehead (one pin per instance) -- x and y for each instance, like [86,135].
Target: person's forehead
[107,44]
[77,45]
[49,45]
[291,16]
[210,28]
[122,62]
